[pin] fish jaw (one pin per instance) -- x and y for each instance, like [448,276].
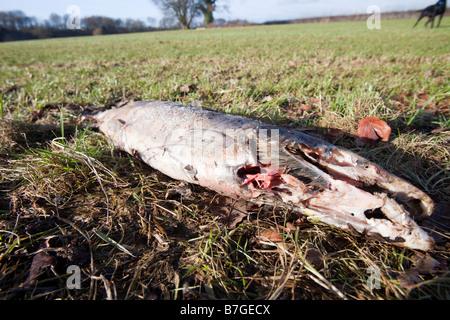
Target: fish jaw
[345,206]
[350,192]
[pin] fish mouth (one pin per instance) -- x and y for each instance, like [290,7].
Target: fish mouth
[340,188]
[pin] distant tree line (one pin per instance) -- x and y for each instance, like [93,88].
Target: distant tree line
[16,25]
[186,14]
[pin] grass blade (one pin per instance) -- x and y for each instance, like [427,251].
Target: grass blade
[110,241]
[414,115]
[2,106]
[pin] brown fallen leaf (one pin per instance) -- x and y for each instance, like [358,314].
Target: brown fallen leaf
[427,74]
[184,89]
[373,129]
[313,256]
[181,190]
[314,101]
[427,103]
[270,235]
[305,107]
[41,260]
[290,226]
[37,114]
[425,264]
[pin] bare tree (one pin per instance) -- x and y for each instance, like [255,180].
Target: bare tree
[168,23]
[129,23]
[207,7]
[14,20]
[138,25]
[151,22]
[101,24]
[55,20]
[183,10]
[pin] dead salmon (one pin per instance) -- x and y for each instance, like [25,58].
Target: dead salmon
[264,164]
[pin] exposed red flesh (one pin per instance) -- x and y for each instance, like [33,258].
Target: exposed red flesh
[262,177]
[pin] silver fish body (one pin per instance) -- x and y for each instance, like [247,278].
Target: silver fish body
[247,159]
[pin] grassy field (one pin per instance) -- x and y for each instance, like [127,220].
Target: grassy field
[67,197]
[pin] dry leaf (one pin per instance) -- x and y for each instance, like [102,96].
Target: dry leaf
[229,211]
[427,74]
[186,88]
[271,235]
[37,114]
[315,101]
[181,190]
[409,279]
[425,264]
[41,260]
[374,129]
[267,99]
[290,226]
[314,256]
[305,107]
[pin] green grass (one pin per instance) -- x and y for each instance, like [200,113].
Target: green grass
[64,184]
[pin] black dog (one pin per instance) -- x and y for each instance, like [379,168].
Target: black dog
[432,11]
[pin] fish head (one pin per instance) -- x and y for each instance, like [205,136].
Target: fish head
[338,187]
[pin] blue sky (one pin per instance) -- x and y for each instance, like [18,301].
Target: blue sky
[251,10]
